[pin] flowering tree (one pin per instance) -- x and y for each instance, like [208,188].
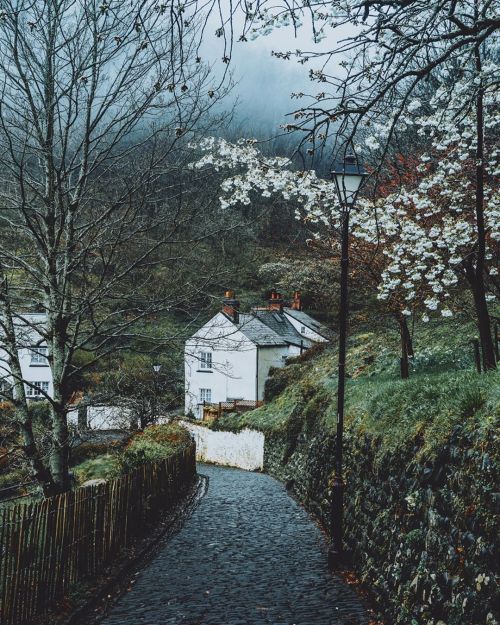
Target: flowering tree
[446,232]
[396,47]
[414,245]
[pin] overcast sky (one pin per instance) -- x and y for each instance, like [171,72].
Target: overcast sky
[265,83]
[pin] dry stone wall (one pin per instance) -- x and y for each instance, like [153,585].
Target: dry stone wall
[422,534]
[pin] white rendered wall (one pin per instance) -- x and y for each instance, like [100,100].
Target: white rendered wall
[103,417]
[27,336]
[270,357]
[308,333]
[234,362]
[244,450]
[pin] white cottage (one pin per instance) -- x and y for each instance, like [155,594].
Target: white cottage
[229,358]
[35,368]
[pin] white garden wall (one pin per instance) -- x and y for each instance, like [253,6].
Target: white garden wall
[244,450]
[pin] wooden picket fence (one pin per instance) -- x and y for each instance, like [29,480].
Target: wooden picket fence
[48,546]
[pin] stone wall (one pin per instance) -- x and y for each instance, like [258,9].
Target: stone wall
[421,534]
[244,450]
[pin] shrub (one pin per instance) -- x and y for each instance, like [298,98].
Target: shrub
[308,354]
[172,434]
[104,467]
[155,444]
[40,412]
[279,379]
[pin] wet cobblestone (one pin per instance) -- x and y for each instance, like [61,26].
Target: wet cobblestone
[249,555]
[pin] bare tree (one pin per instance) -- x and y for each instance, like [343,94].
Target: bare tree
[97,100]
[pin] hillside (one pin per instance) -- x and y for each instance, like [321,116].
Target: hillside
[443,389]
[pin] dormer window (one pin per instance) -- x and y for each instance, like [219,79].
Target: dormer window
[205,360]
[39,356]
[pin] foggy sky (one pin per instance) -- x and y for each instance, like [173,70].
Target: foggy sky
[264,83]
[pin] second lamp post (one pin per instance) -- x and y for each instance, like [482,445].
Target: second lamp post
[348,177]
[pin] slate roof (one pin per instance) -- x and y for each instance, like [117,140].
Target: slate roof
[258,332]
[308,321]
[282,327]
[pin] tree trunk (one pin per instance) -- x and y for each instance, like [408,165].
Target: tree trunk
[39,471]
[83,423]
[476,274]
[406,346]
[59,453]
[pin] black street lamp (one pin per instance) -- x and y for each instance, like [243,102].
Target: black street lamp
[348,176]
[156,369]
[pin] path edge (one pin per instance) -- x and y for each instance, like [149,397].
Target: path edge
[105,595]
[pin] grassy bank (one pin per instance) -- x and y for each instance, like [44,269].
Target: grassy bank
[443,390]
[154,444]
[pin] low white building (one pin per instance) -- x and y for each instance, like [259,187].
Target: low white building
[32,349]
[229,358]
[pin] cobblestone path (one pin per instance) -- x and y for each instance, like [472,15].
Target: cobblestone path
[249,555]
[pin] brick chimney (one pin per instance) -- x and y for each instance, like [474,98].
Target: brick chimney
[230,306]
[276,301]
[297,301]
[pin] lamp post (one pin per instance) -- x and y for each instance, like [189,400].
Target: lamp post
[348,177]
[156,369]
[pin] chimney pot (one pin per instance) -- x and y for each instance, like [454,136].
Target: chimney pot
[230,306]
[297,301]
[276,301]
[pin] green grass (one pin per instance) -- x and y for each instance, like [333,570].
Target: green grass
[443,390]
[105,467]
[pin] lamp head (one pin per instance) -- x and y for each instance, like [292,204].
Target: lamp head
[348,176]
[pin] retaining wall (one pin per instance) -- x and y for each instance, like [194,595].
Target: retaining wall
[244,450]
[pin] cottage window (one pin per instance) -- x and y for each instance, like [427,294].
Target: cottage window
[205,360]
[206,395]
[39,356]
[37,389]
[302,329]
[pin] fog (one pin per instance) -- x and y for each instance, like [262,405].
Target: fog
[263,84]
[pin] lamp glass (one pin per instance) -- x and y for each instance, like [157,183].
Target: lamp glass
[156,368]
[348,177]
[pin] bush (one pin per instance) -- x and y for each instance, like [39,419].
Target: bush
[90,450]
[279,378]
[155,444]
[40,412]
[171,434]
[105,467]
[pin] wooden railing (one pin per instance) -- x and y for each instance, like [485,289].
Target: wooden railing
[48,546]
[214,411]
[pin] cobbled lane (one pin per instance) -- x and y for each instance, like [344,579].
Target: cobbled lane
[249,555]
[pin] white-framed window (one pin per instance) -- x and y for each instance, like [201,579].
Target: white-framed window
[302,329]
[205,395]
[39,356]
[36,389]
[205,360]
